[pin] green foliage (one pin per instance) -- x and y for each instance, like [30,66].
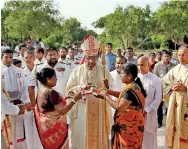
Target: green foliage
[33,19]
[30,19]
[126,23]
[170,20]
[144,28]
[132,25]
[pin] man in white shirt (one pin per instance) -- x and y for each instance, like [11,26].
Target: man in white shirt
[161,69]
[15,86]
[62,71]
[130,56]
[153,86]
[39,56]
[174,59]
[4,46]
[118,85]
[22,49]
[116,73]
[62,54]
[41,44]
[29,116]
[8,108]
[72,60]
[78,52]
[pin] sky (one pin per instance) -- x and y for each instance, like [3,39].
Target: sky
[88,11]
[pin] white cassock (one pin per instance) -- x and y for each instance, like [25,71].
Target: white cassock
[37,62]
[29,115]
[118,85]
[7,108]
[16,87]
[153,86]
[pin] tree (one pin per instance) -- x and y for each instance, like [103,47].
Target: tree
[31,19]
[171,20]
[128,23]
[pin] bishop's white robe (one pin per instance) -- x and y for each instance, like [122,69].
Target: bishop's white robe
[153,86]
[177,102]
[91,120]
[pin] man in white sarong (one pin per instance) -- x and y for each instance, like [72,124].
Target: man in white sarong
[29,116]
[15,86]
[90,118]
[153,86]
[175,85]
[8,108]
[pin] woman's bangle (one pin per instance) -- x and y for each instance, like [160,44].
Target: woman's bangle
[73,101]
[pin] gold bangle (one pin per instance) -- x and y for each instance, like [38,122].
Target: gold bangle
[73,101]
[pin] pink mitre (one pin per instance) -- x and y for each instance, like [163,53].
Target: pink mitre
[90,45]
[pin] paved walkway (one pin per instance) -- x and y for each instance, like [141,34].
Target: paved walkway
[161,135]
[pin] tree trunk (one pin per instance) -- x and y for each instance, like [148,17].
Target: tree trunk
[122,43]
[142,42]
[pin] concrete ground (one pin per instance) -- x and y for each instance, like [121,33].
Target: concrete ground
[161,134]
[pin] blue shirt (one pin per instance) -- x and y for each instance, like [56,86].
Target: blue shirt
[111,58]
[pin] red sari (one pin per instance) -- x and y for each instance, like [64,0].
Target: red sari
[52,128]
[128,126]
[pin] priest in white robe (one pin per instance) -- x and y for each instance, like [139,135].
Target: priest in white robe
[8,108]
[175,85]
[153,86]
[15,87]
[90,118]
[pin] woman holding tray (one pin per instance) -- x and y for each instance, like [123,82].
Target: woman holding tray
[50,112]
[128,128]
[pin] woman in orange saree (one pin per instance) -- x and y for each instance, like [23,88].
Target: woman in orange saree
[128,128]
[50,112]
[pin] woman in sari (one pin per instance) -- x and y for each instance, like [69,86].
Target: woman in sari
[50,112]
[128,128]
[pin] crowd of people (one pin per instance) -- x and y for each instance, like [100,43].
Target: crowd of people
[84,96]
